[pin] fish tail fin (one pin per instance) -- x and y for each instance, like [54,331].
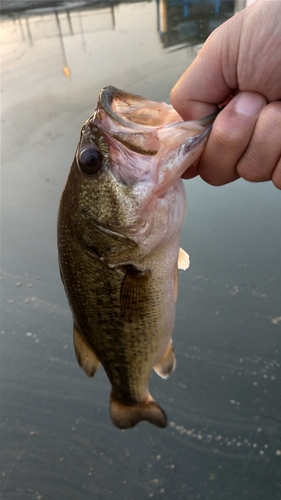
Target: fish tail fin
[126,416]
[85,356]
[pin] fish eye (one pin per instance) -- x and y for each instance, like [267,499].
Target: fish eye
[90,161]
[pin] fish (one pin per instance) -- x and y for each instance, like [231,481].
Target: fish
[119,224]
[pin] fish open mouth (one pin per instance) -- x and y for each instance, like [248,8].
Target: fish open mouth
[132,109]
[140,124]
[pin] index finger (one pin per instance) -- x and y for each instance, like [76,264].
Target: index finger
[208,80]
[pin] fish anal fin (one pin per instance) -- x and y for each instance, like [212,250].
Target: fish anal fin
[167,364]
[134,293]
[85,356]
[183,259]
[125,416]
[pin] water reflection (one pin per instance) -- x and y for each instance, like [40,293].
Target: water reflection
[178,21]
[187,21]
[58,22]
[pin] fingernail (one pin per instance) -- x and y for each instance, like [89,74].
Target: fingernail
[249,103]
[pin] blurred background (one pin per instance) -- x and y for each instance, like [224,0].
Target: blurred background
[223,401]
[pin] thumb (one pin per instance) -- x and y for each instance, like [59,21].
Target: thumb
[203,85]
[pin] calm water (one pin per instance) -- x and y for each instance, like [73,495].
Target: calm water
[223,401]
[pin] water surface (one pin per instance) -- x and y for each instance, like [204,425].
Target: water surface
[223,400]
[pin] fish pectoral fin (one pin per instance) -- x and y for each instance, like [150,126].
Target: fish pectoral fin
[183,259]
[176,284]
[134,293]
[125,416]
[85,356]
[167,363]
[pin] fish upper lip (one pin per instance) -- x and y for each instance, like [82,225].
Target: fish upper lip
[106,97]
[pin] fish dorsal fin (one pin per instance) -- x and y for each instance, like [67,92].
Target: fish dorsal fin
[183,259]
[85,356]
[126,416]
[167,363]
[135,293]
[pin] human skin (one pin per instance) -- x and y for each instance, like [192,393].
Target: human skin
[239,64]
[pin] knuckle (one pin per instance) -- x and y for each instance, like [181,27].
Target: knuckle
[261,159]
[246,171]
[272,114]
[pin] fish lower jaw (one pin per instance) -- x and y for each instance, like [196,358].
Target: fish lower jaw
[124,416]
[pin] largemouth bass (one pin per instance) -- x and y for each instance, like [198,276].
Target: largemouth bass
[119,226]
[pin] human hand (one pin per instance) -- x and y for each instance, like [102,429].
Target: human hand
[241,58]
